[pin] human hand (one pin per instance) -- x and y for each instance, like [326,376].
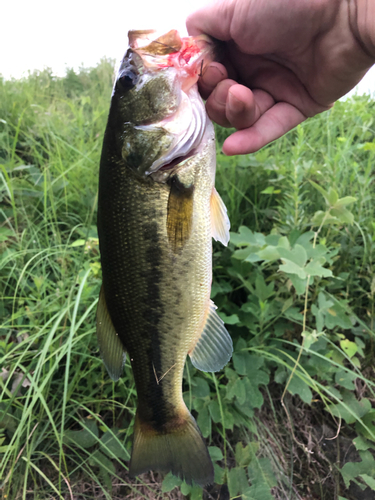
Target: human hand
[284,61]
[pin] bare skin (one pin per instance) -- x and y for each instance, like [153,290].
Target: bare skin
[284,61]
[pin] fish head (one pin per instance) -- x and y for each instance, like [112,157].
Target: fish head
[157,118]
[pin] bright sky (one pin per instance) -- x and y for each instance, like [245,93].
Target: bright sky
[69,33]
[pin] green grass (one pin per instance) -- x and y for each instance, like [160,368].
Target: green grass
[296,287]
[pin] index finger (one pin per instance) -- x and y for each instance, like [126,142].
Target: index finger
[213,19]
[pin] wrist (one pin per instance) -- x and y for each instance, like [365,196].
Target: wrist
[362,23]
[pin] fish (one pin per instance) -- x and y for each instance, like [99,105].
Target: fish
[158,210]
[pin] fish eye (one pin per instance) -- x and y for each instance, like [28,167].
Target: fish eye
[127,80]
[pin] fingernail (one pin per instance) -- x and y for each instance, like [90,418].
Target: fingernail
[220,94]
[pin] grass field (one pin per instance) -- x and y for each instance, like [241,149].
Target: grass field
[292,416]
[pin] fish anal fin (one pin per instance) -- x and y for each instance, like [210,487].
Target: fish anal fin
[179,214]
[110,345]
[179,449]
[219,219]
[214,347]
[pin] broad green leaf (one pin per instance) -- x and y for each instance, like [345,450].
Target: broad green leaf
[262,290]
[237,481]
[204,422]
[244,253]
[347,200]
[370,481]
[269,190]
[300,387]
[97,458]
[229,320]
[298,283]
[219,474]
[111,444]
[185,488]
[241,394]
[332,196]
[170,482]
[78,243]
[345,379]
[269,253]
[5,233]
[239,362]
[196,493]
[255,375]
[361,443]
[343,215]
[228,418]
[215,453]
[321,190]
[309,338]
[262,479]
[200,387]
[288,303]
[314,268]
[214,410]
[243,454]
[84,438]
[369,421]
[297,255]
[290,267]
[246,237]
[353,409]
[324,218]
[350,348]
[253,395]
[305,240]
[7,421]
[283,243]
[352,470]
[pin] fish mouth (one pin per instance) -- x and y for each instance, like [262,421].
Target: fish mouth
[188,56]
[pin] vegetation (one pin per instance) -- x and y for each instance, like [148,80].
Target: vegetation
[292,416]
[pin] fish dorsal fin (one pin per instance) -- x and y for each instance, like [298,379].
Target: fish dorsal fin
[214,347]
[179,214]
[219,219]
[110,345]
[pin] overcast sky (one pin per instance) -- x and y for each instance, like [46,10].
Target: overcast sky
[69,33]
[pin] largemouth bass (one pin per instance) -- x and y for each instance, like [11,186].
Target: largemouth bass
[158,210]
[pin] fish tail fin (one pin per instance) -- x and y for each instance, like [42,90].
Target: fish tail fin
[180,449]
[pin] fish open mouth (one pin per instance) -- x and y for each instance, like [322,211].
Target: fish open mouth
[187,56]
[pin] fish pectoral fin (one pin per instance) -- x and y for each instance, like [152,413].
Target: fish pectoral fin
[214,347]
[110,345]
[219,219]
[179,214]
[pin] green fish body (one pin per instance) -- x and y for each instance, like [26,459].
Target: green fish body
[158,210]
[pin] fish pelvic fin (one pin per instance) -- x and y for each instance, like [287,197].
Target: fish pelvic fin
[179,449]
[110,345]
[219,219]
[214,347]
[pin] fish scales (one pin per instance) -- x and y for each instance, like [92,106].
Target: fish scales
[155,232]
